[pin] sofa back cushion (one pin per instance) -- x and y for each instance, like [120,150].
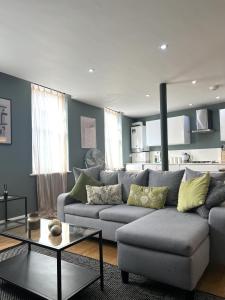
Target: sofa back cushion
[215,176]
[109,177]
[127,178]
[170,179]
[93,172]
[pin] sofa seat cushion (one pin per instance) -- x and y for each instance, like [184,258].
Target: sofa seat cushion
[166,230]
[124,213]
[84,210]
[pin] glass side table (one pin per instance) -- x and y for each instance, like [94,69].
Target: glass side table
[12,198]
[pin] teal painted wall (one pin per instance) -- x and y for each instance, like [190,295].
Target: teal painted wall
[16,159]
[198,140]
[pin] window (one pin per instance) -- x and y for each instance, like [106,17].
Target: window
[49,131]
[113,139]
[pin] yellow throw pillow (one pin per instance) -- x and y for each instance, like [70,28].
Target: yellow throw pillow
[192,193]
[146,196]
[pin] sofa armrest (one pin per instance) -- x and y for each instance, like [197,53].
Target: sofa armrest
[62,200]
[217,235]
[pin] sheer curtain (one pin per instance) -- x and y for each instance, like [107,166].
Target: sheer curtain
[113,139]
[49,145]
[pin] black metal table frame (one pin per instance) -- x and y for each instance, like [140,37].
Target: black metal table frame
[58,258]
[14,198]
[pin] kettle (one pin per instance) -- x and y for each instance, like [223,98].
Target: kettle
[185,157]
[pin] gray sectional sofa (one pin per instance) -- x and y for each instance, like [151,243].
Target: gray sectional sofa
[164,245]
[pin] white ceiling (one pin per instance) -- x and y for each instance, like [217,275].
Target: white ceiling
[55,42]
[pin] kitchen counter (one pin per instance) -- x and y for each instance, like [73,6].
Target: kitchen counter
[204,167]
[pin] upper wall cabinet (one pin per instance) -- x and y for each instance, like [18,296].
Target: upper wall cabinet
[153,135]
[178,131]
[222,124]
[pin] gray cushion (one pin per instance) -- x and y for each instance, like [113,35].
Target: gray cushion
[108,177]
[124,213]
[84,210]
[127,178]
[216,176]
[92,172]
[170,179]
[216,193]
[166,230]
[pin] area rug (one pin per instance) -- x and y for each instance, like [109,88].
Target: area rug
[137,289]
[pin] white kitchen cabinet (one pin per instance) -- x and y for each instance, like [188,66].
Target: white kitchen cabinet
[179,130]
[153,134]
[174,167]
[202,167]
[222,124]
[138,138]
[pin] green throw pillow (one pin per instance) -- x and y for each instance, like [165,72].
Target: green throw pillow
[146,196]
[79,192]
[193,193]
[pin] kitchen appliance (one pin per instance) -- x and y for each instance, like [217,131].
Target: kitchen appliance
[185,157]
[138,139]
[203,121]
[140,157]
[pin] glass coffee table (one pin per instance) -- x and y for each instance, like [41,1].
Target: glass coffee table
[49,277]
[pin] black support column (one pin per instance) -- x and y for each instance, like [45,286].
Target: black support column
[163,122]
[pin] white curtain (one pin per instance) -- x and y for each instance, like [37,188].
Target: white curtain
[49,145]
[113,140]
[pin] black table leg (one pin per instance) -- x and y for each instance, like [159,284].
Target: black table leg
[25,207]
[59,276]
[6,210]
[101,260]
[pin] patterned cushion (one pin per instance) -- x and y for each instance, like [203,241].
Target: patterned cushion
[127,178]
[110,194]
[170,179]
[92,172]
[149,197]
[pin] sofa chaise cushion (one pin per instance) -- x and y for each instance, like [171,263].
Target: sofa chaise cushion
[166,230]
[84,210]
[124,213]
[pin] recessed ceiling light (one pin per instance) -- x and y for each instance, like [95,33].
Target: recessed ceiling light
[163,47]
[147,95]
[214,87]
[194,81]
[217,97]
[91,70]
[190,104]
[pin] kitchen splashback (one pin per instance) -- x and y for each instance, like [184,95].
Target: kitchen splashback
[211,154]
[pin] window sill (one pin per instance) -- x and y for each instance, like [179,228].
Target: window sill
[32,174]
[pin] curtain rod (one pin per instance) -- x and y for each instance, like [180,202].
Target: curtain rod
[45,87]
[120,112]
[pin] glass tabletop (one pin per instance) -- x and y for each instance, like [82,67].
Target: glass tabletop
[71,234]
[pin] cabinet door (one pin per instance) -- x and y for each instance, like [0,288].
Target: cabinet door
[153,134]
[178,130]
[222,124]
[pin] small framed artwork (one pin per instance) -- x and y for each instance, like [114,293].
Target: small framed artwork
[5,121]
[88,132]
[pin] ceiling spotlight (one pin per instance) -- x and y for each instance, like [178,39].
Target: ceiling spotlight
[147,95]
[163,47]
[217,97]
[91,70]
[194,81]
[190,104]
[214,87]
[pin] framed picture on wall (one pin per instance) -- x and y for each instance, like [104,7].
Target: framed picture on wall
[5,121]
[88,132]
